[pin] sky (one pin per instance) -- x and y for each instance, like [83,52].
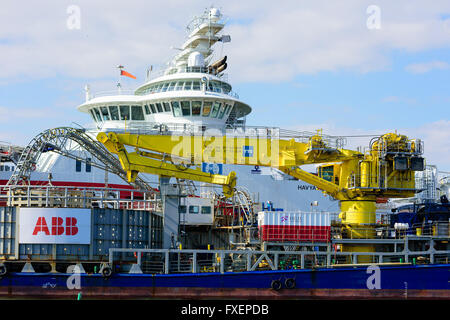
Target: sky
[352,67]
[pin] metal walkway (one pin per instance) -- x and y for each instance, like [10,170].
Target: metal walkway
[169,261]
[57,140]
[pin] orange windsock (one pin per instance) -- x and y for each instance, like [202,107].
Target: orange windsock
[124,73]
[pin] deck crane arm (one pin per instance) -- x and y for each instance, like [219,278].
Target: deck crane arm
[355,179]
[193,150]
[387,169]
[162,165]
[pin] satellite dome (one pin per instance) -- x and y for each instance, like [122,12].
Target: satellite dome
[196,59]
[214,14]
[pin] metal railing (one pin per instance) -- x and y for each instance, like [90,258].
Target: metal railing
[79,197]
[383,231]
[184,69]
[198,128]
[117,92]
[169,261]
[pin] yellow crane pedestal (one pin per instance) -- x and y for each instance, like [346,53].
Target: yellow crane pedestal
[358,220]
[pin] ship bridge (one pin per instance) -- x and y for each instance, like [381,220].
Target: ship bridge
[191,90]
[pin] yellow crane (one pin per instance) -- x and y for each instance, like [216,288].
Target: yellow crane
[354,178]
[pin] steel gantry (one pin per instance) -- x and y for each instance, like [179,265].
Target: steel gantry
[64,141]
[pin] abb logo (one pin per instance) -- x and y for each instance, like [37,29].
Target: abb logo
[57,228]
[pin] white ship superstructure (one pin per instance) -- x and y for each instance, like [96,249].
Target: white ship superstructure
[192,95]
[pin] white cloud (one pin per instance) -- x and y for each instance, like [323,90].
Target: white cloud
[270,42]
[436,137]
[427,66]
[26,113]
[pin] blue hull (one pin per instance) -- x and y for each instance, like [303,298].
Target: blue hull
[393,282]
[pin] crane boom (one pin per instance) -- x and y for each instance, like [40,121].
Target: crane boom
[153,163]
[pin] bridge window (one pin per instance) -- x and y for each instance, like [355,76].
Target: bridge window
[229,110]
[206,108]
[196,85]
[222,111]
[186,108]
[225,88]
[188,85]
[215,109]
[227,106]
[206,210]
[158,88]
[136,113]
[152,107]
[88,165]
[179,86]
[164,87]
[171,86]
[216,87]
[1,168]
[147,110]
[114,111]
[176,109]
[193,209]
[97,113]
[159,107]
[93,115]
[77,165]
[166,107]
[105,114]
[124,112]
[196,108]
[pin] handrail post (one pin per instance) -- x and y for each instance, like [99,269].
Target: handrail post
[9,196]
[432,250]
[222,264]
[111,254]
[166,262]
[139,259]
[275,261]
[194,262]
[28,196]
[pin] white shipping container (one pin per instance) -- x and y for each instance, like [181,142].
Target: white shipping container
[296,218]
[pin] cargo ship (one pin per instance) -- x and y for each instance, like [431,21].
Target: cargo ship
[120,210]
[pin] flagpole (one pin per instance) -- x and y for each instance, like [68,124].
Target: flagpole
[119,86]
